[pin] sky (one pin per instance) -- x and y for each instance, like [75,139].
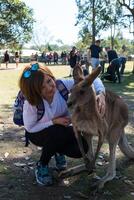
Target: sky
[55,19]
[58,17]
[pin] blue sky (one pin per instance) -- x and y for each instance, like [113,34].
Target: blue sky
[58,17]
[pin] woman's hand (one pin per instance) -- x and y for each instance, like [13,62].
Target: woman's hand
[101,103]
[65,121]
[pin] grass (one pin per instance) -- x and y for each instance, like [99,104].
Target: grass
[126,88]
[9,81]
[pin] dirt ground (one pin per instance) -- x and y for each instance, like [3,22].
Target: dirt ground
[17,163]
[17,180]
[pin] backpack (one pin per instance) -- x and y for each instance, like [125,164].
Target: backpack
[19,102]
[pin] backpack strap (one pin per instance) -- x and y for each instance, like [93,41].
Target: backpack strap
[40,113]
[62,89]
[18,109]
[40,110]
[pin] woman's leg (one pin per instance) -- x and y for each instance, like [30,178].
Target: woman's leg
[57,138]
[54,139]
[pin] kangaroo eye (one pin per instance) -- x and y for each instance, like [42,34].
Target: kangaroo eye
[82,92]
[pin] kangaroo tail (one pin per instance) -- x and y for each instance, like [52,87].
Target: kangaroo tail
[125,147]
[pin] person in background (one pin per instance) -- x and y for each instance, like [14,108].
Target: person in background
[53,132]
[111,54]
[64,57]
[55,57]
[88,59]
[6,58]
[32,58]
[115,70]
[36,56]
[44,57]
[17,58]
[122,61]
[95,50]
[103,59]
[72,59]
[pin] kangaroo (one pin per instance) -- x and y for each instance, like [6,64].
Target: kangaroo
[87,121]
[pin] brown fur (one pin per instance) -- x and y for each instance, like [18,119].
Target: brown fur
[87,120]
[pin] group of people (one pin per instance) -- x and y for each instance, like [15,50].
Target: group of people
[96,56]
[53,132]
[6,58]
[116,66]
[92,57]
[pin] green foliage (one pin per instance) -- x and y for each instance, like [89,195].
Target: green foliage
[97,15]
[99,8]
[119,44]
[49,47]
[129,5]
[16,23]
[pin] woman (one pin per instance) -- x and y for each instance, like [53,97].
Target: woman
[53,132]
[6,58]
[17,58]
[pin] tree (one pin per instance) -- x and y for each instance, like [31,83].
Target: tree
[16,23]
[41,36]
[93,15]
[129,5]
[116,19]
[49,47]
[97,15]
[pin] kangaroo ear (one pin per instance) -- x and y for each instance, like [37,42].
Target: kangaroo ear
[77,74]
[93,75]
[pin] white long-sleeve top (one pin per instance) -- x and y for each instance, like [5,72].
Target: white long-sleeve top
[57,108]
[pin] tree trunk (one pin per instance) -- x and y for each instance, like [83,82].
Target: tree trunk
[93,22]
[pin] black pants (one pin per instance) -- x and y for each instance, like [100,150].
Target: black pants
[57,139]
[113,72]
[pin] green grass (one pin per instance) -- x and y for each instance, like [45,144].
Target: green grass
[9,81]
[9,84]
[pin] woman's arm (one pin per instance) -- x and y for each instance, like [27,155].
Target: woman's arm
[98,86]
[31,122]
[100,92]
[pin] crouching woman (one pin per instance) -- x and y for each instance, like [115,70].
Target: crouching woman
[52,131]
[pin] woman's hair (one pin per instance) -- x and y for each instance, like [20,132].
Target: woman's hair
[31,86]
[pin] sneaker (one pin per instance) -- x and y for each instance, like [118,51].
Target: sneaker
[61,163]
[42,175]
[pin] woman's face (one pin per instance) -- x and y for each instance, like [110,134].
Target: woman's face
[48,88]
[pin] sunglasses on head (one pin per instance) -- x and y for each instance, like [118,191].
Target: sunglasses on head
[34,67]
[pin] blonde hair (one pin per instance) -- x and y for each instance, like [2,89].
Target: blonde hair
[31,87]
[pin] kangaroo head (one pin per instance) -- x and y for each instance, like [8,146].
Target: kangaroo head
[77,74]
[82,90]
